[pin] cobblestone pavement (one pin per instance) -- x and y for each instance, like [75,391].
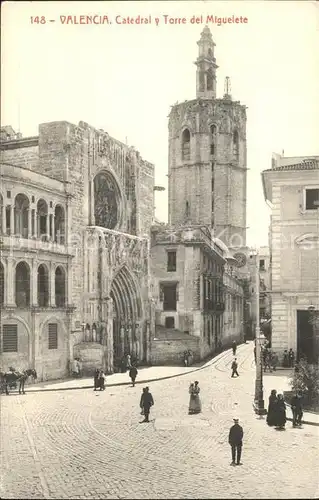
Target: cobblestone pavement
[75,444]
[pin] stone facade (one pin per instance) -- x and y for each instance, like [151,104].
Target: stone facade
[292,188]
[265,283]
[80,204]
[207,159]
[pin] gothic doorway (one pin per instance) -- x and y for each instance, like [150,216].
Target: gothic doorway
[127,315]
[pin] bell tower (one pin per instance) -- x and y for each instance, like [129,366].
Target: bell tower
[206,66]
[207,169]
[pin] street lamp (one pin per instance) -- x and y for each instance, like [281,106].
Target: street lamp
[259,405]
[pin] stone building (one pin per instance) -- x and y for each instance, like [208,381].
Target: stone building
[264,288]
[291,187]
[76,212]
[207,214]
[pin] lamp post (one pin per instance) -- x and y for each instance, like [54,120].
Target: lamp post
[259,405]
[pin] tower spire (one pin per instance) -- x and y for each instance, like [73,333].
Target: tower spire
[227,88]
[206,66]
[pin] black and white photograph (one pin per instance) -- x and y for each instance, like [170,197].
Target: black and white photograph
[159,250]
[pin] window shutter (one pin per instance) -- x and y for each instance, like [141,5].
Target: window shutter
[10,338]
[53,336]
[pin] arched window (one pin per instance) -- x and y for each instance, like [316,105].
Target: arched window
[236,145]
[59,287]
[42,217]
[213,137]
[210,53]
[106,210]
[210,80]
[21,206]
[1,284]
[186,144]
[59,225]
[43,286]
[22,285]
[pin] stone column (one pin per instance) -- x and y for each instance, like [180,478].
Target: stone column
[122,335]
[53,227]
[29,223]
[47,226]
[10,284]
[34,282]
[4,220]
[52,285]
[12,231]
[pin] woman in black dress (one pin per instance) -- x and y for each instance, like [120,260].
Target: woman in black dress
[280,412]
[272,406]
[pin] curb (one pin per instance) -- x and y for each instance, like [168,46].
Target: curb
[308,422]
[74,388]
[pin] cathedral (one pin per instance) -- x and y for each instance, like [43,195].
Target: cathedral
[87,273]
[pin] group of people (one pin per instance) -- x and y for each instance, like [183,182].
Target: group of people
[195,405]
[276,415]
[188,358]
[99,380]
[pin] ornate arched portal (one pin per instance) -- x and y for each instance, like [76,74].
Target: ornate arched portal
[127,316]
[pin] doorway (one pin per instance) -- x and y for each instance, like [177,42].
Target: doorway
[307,334]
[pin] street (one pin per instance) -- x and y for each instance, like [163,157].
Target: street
[86,444]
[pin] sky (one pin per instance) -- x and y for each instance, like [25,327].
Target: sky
[123,78]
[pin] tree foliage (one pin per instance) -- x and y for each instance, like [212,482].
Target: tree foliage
[306,380]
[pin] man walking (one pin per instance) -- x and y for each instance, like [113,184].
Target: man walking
[296,407]
[133,374]
[234,367]
[235,440]
[234,347]
[146,402]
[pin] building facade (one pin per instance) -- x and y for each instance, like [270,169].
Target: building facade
[76,212]
[291,187]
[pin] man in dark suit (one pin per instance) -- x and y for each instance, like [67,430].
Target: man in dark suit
[146,402]
[235,440]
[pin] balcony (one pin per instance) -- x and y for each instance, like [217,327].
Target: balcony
[31,245]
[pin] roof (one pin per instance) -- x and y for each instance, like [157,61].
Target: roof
[305,165]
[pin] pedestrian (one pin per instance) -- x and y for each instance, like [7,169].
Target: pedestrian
[146,402]
[234,347]
[280,417]
[296,408]
[286,359]
[234,367]
[75,367]
[141,401]
[235,440]
[96,379]
[272,406]
[195,405]
[133,373]
[79,363]
[102,379]
[291,358]
[128,362]
[274,361]
[185,358]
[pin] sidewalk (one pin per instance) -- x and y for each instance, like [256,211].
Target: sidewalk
[280,382]
[147,374]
